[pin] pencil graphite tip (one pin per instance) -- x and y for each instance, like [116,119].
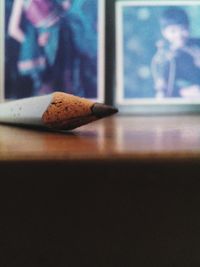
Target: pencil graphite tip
[102,110]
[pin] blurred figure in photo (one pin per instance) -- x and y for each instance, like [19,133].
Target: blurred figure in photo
[57,45]
[176,64]
[36,25]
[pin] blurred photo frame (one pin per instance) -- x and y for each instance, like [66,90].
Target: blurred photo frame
[52,45]
[157,68]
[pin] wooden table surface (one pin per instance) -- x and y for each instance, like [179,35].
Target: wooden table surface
[123,191]
[114,138]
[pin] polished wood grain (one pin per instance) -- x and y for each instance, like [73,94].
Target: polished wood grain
[114,138]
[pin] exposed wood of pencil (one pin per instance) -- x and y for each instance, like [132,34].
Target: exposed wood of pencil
[68,111]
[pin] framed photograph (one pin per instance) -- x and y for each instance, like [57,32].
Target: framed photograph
[52,45]
[157,56]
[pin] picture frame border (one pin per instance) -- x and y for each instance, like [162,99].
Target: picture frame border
[101,14]
[147,105]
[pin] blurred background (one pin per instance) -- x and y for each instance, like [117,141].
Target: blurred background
[66,60]
[141,34]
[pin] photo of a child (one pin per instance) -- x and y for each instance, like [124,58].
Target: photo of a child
[176,64]
[52,45]
[157,51]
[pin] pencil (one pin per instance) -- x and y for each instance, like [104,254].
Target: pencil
[59,111]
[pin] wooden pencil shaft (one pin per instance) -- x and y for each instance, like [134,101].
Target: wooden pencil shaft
[25,111]
[58,110]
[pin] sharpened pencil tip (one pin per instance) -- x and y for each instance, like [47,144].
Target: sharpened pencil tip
[101,110]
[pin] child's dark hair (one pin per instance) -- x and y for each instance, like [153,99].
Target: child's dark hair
[174,16]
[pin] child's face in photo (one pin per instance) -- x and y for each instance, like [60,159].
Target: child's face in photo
[175,33]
